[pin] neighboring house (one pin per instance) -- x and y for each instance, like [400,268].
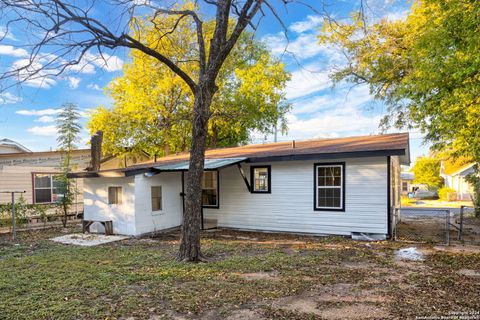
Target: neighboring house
[406,179]
[344,186]
[35,172]
[455,179]
[10,146]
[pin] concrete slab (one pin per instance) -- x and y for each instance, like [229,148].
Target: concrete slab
[87,240]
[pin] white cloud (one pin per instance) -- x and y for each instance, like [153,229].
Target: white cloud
[311,105]
[94,86]
[6,34]
[340,114]
[33,75]
[73,82]
[396,15]
[141,2]
[303,46]
[84,66]
[306,81]
[12,51]
[309,24]
[343,122]
[45,119]
[38,74]
[50,131]
[105,61]
[333,100]
[87,64]
[344,112]
[8,98]
[39,112]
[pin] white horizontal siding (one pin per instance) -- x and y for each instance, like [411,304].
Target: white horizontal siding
[171,214]
[97,207]
[134,216]
[290,205]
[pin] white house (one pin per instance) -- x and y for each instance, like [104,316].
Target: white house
[406,182]
[344,186]
[37,173]
[456,180]
[10,146]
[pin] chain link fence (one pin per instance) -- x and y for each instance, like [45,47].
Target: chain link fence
[437,225]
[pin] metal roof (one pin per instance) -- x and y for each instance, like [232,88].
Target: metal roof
[11,143]
[210,164]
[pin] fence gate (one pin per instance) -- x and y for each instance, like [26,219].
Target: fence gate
[434,225]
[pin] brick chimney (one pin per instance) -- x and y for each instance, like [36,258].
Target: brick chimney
[96,150]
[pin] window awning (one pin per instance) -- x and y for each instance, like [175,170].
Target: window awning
[210,164]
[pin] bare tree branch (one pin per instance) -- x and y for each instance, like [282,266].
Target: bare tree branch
[69,29]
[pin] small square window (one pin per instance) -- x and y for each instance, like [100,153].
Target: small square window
[260,179]
[114,195]
[157,198]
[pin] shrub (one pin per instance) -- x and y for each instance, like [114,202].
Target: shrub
[23,211]
[447,194]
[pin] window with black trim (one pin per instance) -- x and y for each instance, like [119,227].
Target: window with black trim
[114,195]
[330,186]
[210,189]
[156,193]
[260,177]
[47,187]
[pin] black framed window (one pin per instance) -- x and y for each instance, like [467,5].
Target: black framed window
[260,177]
[210,192]
[329,189]
[114,195]
[47,188]
[156,193]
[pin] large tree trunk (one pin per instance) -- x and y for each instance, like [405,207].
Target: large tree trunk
[190,235]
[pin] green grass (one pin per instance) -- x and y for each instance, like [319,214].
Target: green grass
[40,279]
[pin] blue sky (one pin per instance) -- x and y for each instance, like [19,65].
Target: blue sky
[27,112]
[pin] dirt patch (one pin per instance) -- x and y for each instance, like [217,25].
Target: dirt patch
[259,276]
[244,314]
[300,303]
[365,296]
[469,273]
[355,311]
[350,302]
[345,292]
[459,248]
[359,265]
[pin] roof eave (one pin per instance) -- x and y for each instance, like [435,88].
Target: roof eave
[331,155]
[403,153]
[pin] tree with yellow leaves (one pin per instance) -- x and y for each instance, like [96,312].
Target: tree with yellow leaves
[426,68]
[153,106]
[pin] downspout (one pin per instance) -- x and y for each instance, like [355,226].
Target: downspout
[182,194]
